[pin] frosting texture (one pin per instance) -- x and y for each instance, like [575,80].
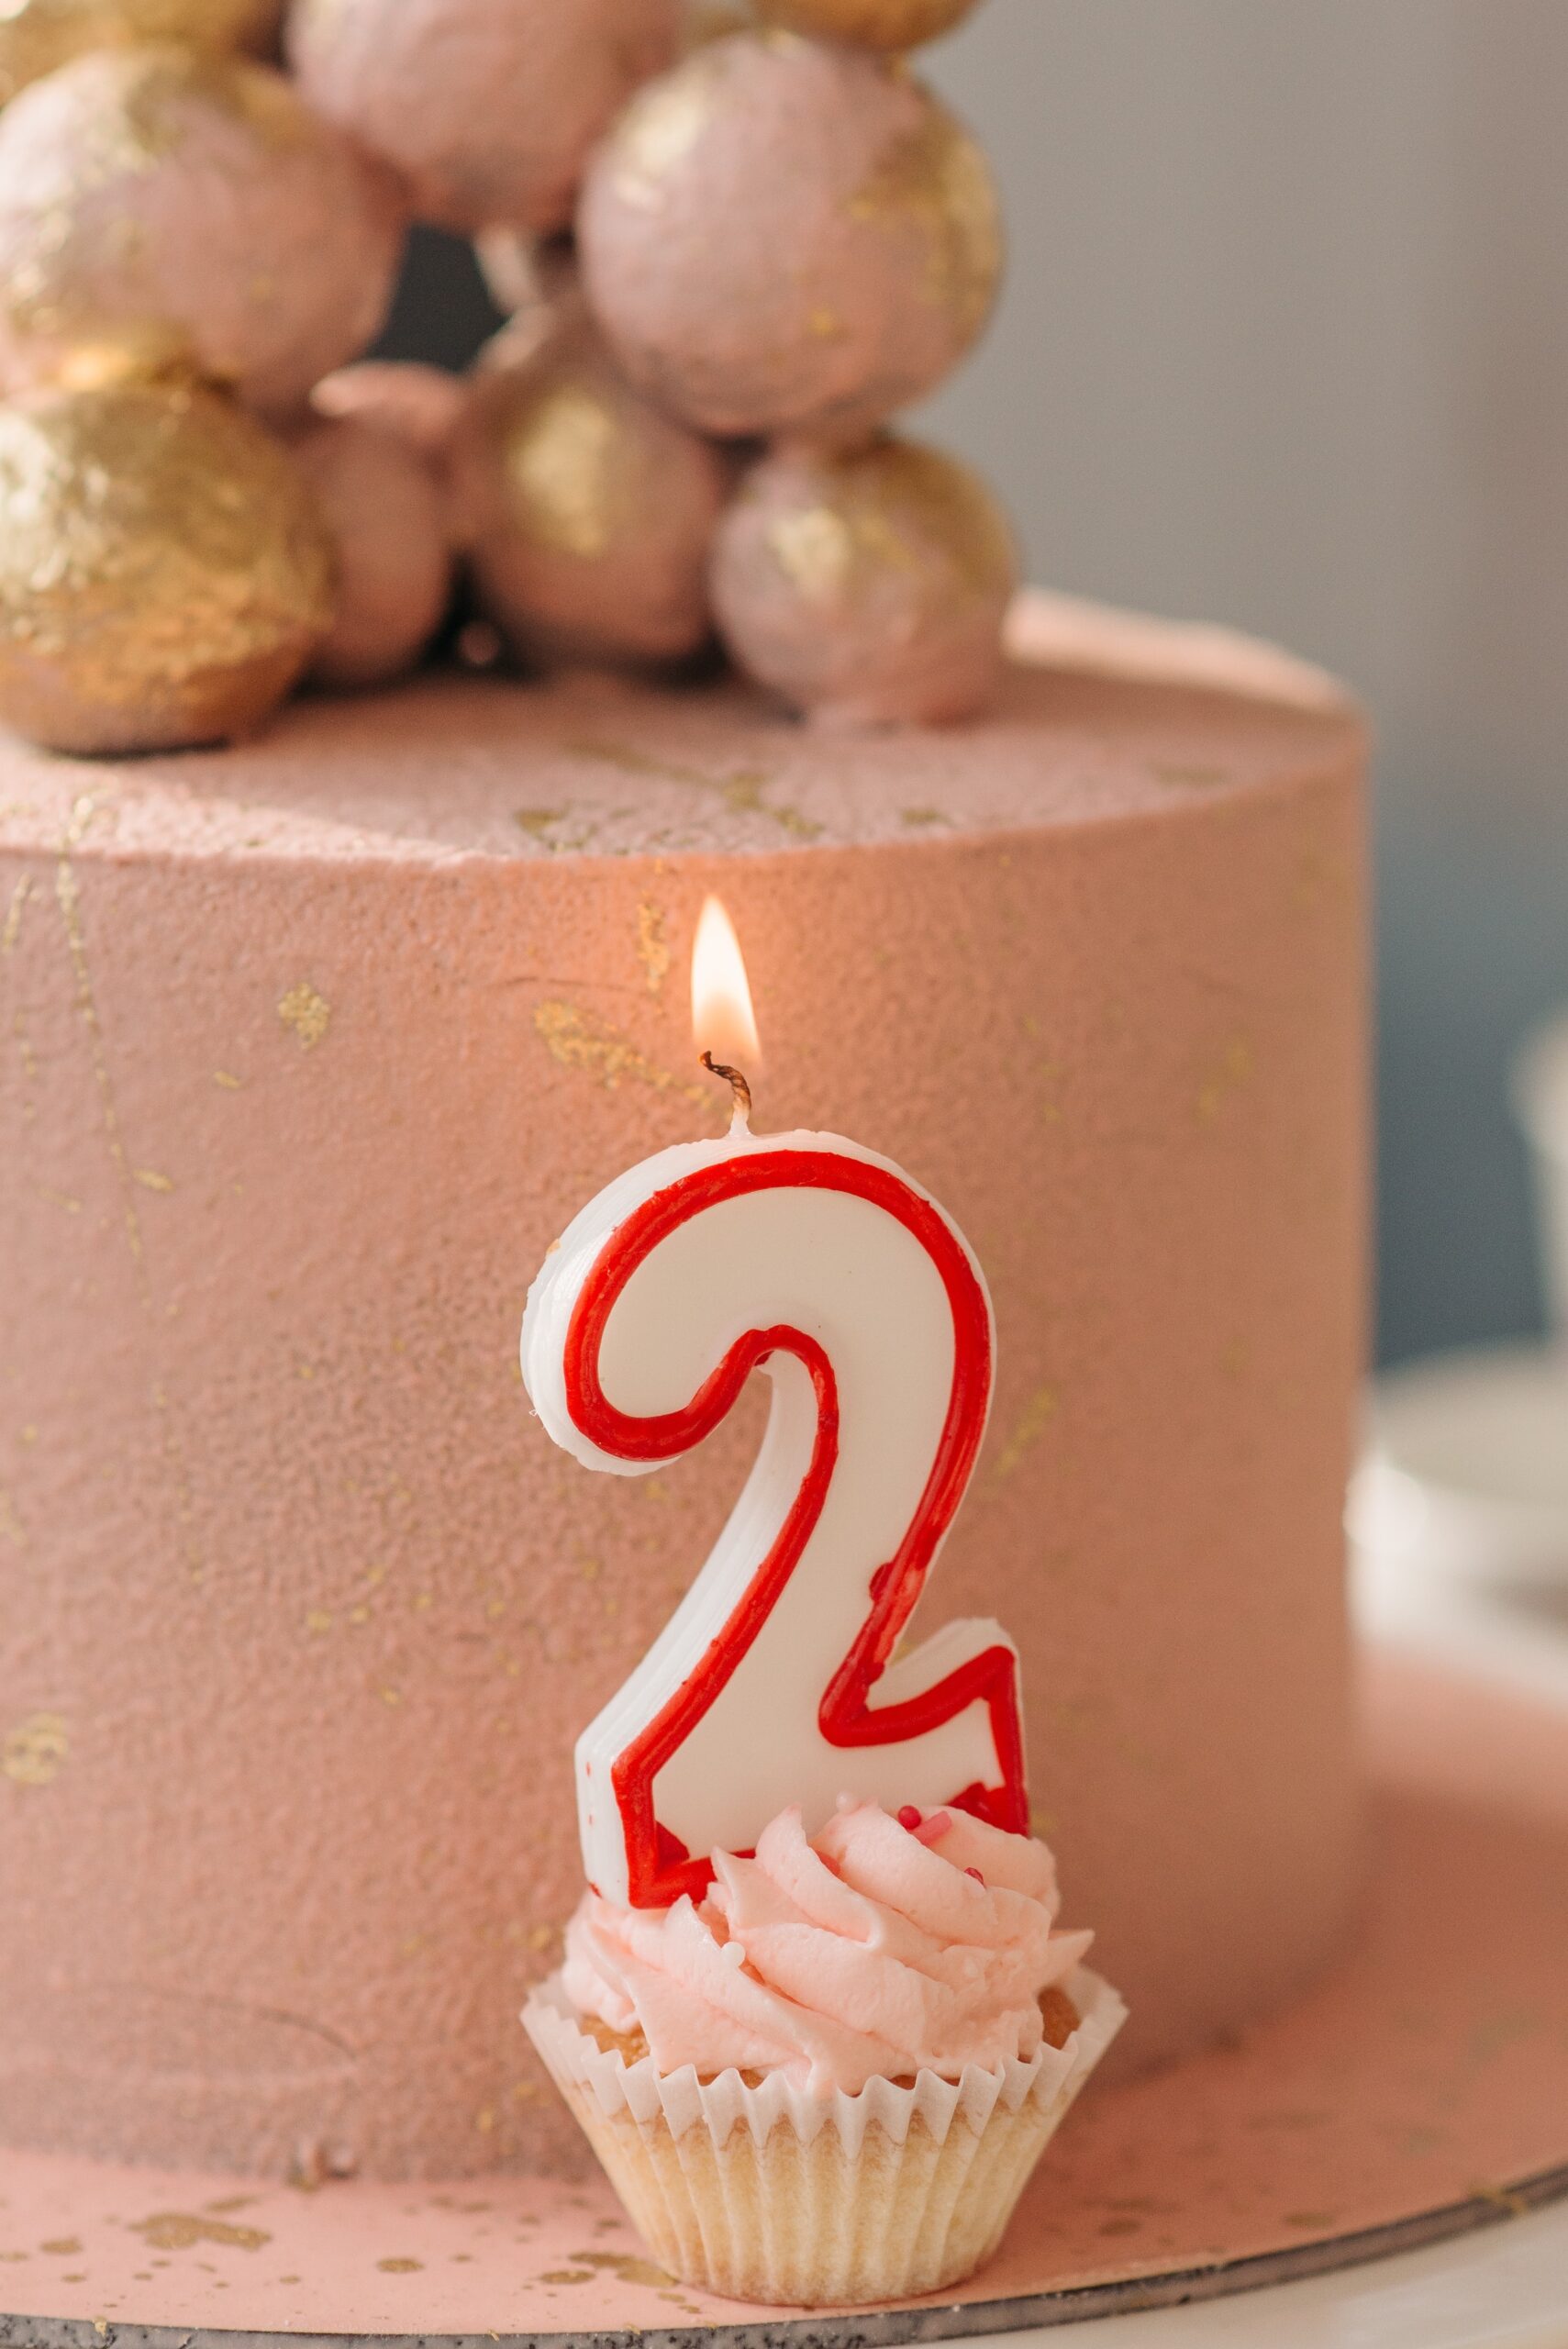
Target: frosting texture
[880,1948]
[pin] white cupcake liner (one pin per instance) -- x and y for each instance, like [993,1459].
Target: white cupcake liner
[768,2193]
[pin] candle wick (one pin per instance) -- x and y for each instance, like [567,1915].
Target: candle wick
[741,1122]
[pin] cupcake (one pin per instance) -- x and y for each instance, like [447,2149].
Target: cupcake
[830,2081]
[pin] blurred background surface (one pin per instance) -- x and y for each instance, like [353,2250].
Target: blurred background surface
[1286,344]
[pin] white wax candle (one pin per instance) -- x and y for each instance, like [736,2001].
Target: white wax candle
[823,1267]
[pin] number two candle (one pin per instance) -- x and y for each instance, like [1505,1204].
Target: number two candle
[821,1266]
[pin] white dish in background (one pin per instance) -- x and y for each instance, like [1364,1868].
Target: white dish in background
[1466,1470]
[1506,2288]
[1539,1087]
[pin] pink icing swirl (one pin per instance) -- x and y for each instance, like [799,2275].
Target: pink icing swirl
[873,1951]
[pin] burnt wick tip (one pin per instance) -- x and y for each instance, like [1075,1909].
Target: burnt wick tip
[736,1082]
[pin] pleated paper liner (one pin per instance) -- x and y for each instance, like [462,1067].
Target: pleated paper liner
[767,2194]
[1422,2088]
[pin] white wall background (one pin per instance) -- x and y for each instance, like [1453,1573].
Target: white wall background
[1286,343]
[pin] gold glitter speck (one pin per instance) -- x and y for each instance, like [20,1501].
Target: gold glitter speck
[34,1753]
[226,1082]
[935,183]
[151,1179]
[537,821]
[744,793]
[11,934]
[63,2246]
[68,897]
[562,462]
[181,2231]
[306,1014]
[1032,1422]
[1233,1070]
[1191,778]
[626,2264]
[894,510]
[653,949]
[741,791]
[400,2266]
[579,1041]
[815,550]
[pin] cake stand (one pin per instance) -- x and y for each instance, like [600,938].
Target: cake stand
[1419,2095]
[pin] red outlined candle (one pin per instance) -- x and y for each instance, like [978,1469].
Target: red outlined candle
[811,1262]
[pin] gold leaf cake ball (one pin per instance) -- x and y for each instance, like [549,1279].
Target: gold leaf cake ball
[779,237]
[587,515]
[164,575]
[163,207]
[868,588]
[487,107]
[890,24]
[38,36]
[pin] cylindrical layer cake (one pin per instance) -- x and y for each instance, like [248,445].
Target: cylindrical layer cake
[312,1048]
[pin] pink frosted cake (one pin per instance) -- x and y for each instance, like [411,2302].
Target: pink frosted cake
[385,1800]
[313,1046]
[322,1016]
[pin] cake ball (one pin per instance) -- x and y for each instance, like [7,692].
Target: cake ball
[587,515]
[890,24]
[386,518]
[418,404]
[37,36]
[171,206]
[782,237]
[866,588]
[711,19]
[488,108]
[163,574]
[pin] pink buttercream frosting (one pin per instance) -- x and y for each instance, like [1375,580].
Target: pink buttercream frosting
[873,1950]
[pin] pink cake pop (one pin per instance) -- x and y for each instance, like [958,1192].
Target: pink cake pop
[36,37]
[386,519]
[164,576]
[868,588]
[588,516]
[487,106]
[890,24]
[160,205]
[780,235]
[418,404]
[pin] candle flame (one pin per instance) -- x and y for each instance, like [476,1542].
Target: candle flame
[722,1021]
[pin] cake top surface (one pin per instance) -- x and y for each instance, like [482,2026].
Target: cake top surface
[1103,716]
